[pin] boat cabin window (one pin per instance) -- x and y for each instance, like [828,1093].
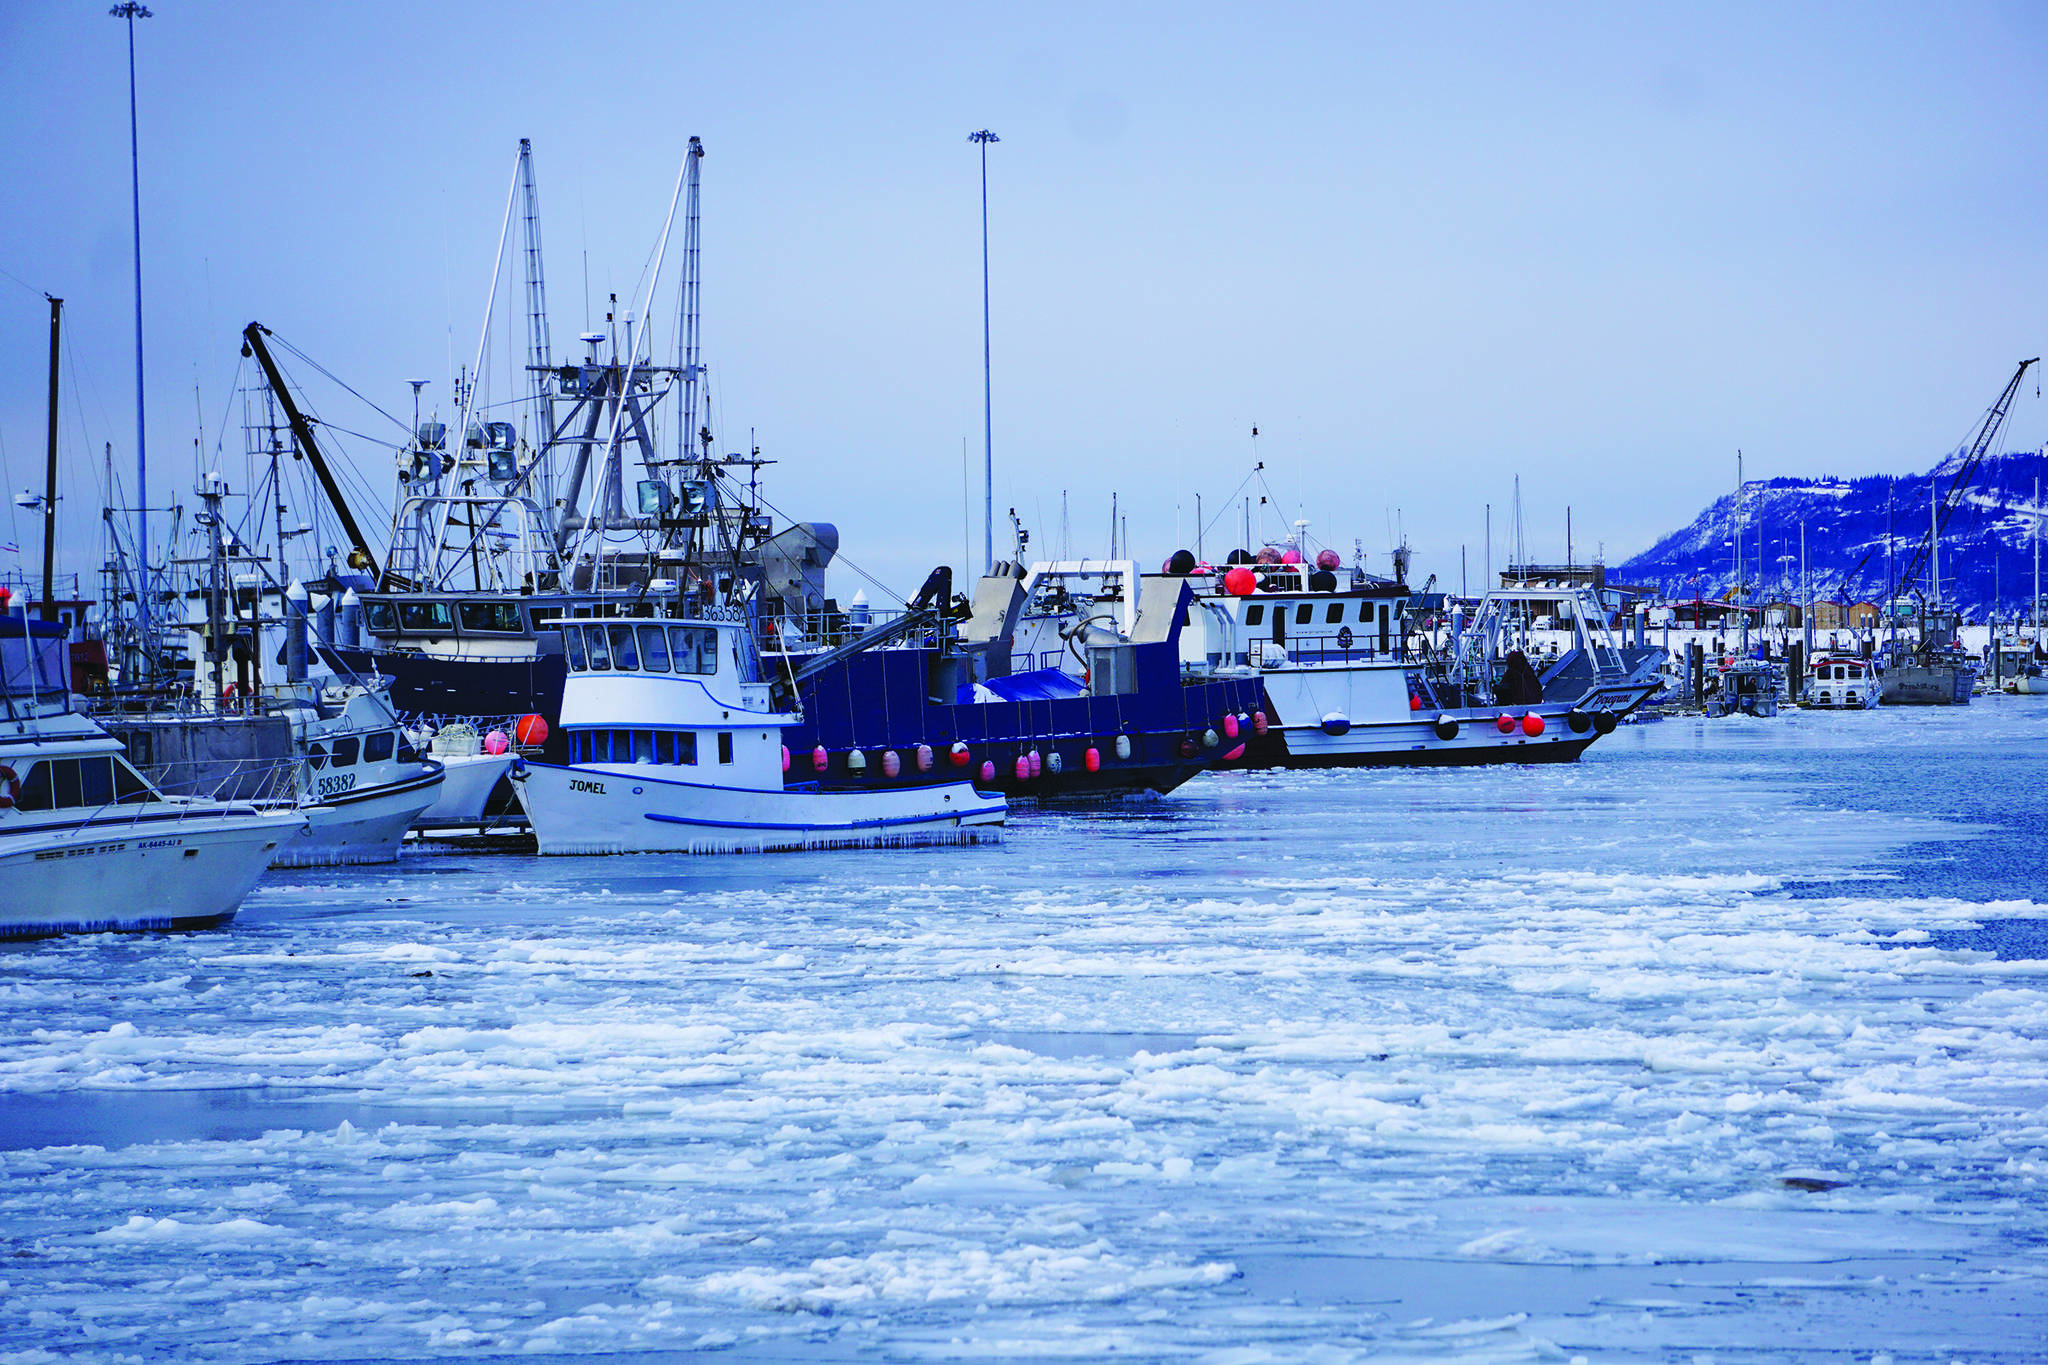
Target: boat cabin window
[643,746]
[694,648]
[686,747]
[600,655]
[492,616]
[380,618]
[624,654]
[664,746]
[380,746]
[316,755]
[424,616]
[1334,614]
[1302,614]
[725,746]
[1255,613]
[345,750]
[572,645]
[72,783]
[1365,612]
[653,649]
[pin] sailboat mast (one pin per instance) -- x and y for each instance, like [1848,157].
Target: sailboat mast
[50,471]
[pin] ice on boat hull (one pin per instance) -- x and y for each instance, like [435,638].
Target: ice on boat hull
[607,810]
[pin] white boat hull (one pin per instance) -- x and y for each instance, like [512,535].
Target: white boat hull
[166,871]
[607,810]
[466,790]
[361,827]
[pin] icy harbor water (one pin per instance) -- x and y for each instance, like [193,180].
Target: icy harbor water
[1729,1043]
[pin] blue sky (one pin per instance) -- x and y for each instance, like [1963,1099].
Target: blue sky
[1423,249]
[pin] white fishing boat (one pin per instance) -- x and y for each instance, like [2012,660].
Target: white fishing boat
[86,842]
[471,774]
[360,783]
[1843,682]
[675,747]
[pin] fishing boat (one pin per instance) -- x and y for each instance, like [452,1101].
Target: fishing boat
[1746,687]
[1350,681]
[675,746]
[1928,666]
[1841,682]
[89,844]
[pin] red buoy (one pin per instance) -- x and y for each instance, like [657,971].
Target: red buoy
[961,758]
[1240,582]
[1234,754]
[1092,760]
[1414,702]
[1506,724]
[1532,724]
[531,731]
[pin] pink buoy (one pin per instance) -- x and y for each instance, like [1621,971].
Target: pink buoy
[988,771]
[1234,754]
[891,765]
[924,758]
[1023,768]
[785,758]
[1258,722]
[1505,724]
[1290,555]
[1092,760]
[496,743]
[1037,763]
[1532,724]
[820,759]
[1230,727]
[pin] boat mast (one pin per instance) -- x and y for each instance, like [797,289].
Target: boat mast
[687,432]
[50,471]
[538,349]
[130,10]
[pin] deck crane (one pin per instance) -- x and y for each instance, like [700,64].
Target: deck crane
[1959,486]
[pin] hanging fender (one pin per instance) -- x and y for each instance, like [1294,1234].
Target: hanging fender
[10,788]
[1578,720]
[1446,727]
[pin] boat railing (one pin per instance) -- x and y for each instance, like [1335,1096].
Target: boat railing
[1339,648]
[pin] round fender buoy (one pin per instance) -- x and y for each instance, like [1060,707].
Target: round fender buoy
[1446,727]
[1188,749]
[1258,722]
[785,758]
[1230,727]
[1414,702]
[1240,582]
[1053,763]
[820,759]
[1210,739]
[856,761]
[988,772]
[1092,760]
[1578,720]
[1234,754]
[892,766]
[495,742]
[1604,722]
[1505,724]
[1336,723]
[531,731]
[1037,763]
[1023,768]
[1532,725]
[1123,746]
[924,758]
[961,758]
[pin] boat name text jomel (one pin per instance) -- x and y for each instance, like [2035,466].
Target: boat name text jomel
[579,785]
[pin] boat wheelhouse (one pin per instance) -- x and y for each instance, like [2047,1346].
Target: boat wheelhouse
[1843,682]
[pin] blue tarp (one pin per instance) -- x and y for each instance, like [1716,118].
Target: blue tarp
[1039,684]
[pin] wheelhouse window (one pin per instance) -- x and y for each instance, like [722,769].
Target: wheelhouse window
[1334,614]
[427,617]
[129,787]
[345,750]
[600,655]
[380,746]
[1255,613]
[380,618]
[572,645]
[624,654]
[1303,613]
[694,649]
[653,648]
[499,617]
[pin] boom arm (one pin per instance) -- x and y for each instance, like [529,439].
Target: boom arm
[1953,499]
[359,544]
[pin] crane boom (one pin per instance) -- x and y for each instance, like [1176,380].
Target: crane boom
[1960,485]
[359,544]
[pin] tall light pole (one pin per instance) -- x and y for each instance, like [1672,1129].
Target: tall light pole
[988,439]
[131,11]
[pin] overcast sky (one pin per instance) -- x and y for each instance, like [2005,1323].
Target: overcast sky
[1422,248]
